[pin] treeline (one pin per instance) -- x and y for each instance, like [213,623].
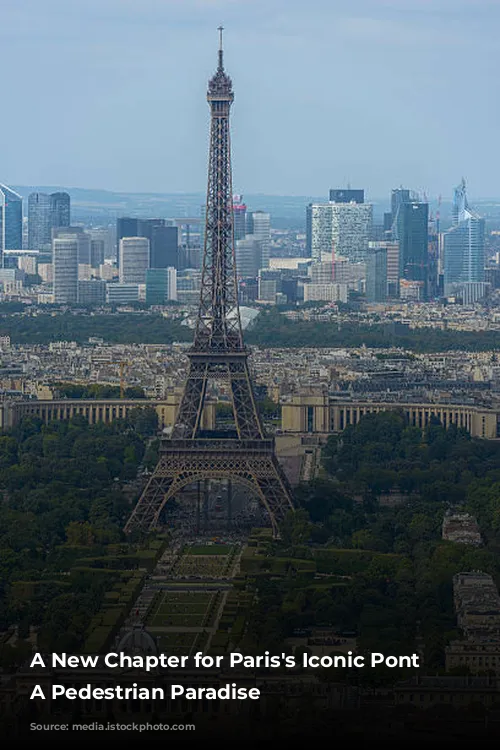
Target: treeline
[391,571]
[271,329]
[61,490]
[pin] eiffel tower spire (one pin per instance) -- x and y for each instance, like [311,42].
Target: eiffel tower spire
[193,454]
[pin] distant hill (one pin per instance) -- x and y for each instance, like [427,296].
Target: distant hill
[104,206]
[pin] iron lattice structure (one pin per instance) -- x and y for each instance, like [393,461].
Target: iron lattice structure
[218,353]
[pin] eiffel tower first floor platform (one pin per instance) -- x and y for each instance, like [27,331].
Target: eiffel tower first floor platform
[182,462]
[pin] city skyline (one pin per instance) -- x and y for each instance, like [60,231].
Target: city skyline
[371,130]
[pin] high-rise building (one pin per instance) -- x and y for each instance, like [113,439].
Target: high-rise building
[60,210]
[133,260]
[240,214]
[261,224]
[120,294]
[11,221]
[309,230]
[65,269]
[248,257]
[163,239]
[398,196]
[164,246]
[269,284]
[161,285]
[463,244]
[82,238]
[412,229]
[47,215]
[347,196]
[39,218]
[92,292]
[126,226]
[376,274]
[343,228]
[96,253]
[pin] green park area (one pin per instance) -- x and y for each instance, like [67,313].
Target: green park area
[181,609]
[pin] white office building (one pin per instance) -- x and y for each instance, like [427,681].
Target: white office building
[65,269]
[325,292]
[341,228]
[134,260]
[122,293]
[261,223]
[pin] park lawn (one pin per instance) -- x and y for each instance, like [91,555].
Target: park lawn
[209,549]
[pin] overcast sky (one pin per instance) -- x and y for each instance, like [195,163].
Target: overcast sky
[111,94]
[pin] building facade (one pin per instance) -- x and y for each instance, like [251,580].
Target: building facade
[11,221]
[261,230]
[65,269]
[463,244]
[248,257]
[134,260]
[413,237]
[161,286]
[376,274]
[340,228]
[60,210]
[39,218]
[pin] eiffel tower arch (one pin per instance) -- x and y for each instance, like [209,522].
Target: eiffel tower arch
[244,454]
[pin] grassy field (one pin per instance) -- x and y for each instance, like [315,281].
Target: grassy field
[181,609]
[209,549]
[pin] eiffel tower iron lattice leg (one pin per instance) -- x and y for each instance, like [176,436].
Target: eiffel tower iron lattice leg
[251,463]
[218,353]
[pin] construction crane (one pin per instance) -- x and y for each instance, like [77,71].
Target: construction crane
[122,366]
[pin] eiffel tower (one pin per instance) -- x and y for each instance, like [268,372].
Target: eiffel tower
[244,455]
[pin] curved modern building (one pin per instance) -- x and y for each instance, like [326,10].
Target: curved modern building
[11,221]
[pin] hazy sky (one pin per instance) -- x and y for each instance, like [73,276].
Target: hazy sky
[111,94]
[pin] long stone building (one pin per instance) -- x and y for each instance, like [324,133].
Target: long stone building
[307,415]
[321,414]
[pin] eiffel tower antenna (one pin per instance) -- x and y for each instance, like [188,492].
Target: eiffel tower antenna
[194,454]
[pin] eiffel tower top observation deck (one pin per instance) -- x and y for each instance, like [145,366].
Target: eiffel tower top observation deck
[218,326]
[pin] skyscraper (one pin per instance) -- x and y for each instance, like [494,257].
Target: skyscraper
[39,216]
[376,274]
[347,196]
[309,211]
[261,223]
[163,239]
[45,214]
[134,260]
[65,269]
[60,210]
[398,196]
[161,285]
[463,244]
[82,238]
[126,226]
[11,221]
[240,214]
[164,246]
[248,257]
[412,229]
[96,253]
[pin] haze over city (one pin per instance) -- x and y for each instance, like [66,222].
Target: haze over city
[375,94]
